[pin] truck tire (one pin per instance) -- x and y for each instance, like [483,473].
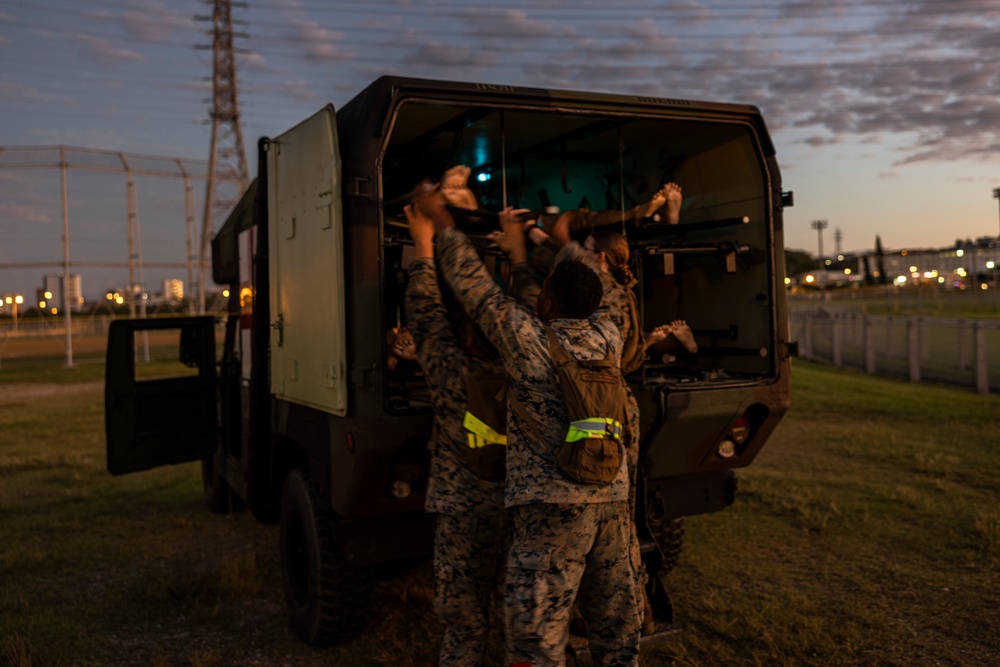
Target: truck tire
[327,598]
[670,540]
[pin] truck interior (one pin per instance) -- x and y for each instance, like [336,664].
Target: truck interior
[714,269]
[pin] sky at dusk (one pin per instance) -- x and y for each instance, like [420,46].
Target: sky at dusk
[885,113]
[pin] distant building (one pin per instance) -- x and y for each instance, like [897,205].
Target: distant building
[51,293]
[963,265]
[173,290]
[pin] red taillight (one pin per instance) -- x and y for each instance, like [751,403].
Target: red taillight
[741,429]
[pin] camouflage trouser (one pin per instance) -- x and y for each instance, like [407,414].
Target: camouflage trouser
[557,552]
[469,553]
[632,452]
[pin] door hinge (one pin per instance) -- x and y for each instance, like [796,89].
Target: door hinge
[359,188]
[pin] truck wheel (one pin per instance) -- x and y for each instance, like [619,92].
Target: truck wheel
[327,598]
[219,496]
[670,540]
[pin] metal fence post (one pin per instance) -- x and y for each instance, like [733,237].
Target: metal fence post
[869,346]
[922,329]
[807,337]
[888,336]
[963,346]
[982,380]
[836,342]
[913,343]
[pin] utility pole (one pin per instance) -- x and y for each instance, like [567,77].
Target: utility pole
[227,162]
[819,226]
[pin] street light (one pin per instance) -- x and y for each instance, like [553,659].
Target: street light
[14,301]
[996,194]
[819,226]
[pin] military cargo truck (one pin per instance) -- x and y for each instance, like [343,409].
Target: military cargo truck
[297,410]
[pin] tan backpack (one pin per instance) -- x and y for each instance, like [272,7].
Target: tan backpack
[594,395]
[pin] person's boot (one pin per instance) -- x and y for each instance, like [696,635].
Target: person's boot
[648,624]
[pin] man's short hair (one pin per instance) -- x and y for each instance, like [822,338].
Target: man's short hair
[575,288]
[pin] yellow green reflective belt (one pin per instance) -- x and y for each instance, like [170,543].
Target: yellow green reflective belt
[480,434]
[594,427]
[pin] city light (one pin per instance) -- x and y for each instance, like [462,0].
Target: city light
[959,253]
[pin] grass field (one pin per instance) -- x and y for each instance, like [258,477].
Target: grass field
[866,533]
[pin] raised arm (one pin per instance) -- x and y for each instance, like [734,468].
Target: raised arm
[436,344]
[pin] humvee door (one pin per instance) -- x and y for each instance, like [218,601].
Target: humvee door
[163,411]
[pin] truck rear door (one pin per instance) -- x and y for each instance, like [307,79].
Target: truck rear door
[160,411]
[307,266]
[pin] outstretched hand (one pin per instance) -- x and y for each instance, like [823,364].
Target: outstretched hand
[511,236]
[421,231]
[560,228]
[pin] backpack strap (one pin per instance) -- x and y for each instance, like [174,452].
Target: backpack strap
[556,349]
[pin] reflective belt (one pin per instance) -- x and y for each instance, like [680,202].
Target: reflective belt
[479,434]
[594,427]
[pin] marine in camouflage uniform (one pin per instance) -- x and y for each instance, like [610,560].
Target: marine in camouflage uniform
[568,538]
[470,534]
[615,305]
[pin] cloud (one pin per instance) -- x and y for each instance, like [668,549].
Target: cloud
[817,141]
[300,89]
[23,213]
[151,22]
[319,43]
[106,52]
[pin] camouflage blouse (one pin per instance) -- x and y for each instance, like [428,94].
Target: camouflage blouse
[533,476]
[452,487]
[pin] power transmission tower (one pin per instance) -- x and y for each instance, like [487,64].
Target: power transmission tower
[227,162]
